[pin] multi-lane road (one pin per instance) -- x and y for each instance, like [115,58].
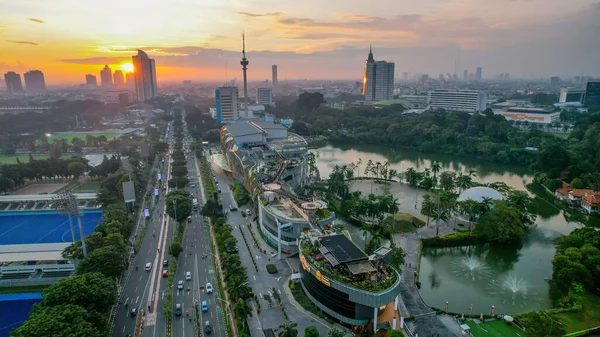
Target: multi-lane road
[145,289]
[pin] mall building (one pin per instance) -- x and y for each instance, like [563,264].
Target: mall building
[272,164]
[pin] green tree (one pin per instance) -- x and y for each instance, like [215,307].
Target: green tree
[179,203]
[335,333]
[427,207]
[66,320]
[107,260]
[435,168]
[242,309]
[77,142]
[501,223]
[175,249]
[76,169]
[394,333]
[539,324]
[289,329]
[398,256]
[309,101]
[55,151]
[311,331]
[577,183]
[447,180]
[91,291]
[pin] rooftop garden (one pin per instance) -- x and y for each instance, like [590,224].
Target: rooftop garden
[383,278]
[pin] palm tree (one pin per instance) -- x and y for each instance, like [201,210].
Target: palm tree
[288,330]
[369,167]
[411,177]
[366,229]
[469,208]
[377,169]
[435,168]
[242,310]
[441,211]
[358,162]
[376,236]
[427,207]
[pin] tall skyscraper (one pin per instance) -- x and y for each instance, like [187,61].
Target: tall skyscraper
[478,74]
[13,82]
[106,77]
[244,62]
[378,79]
[34,80]
[227,104]
[91,80]
[119,79]
[592,93]
[274,74]
[145,76]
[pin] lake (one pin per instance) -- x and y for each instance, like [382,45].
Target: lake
[512,278]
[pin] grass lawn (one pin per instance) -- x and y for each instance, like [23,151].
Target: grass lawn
[88,187]
[495,328]
[560,135]
[5,159]
[22,289]
[403,223]
[589,317]
[69,136]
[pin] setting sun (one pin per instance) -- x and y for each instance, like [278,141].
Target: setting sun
[127,67]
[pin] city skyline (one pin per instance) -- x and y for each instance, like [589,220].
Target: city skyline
[331,44]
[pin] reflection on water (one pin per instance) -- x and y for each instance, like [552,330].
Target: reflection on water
[402,160]
[510,277]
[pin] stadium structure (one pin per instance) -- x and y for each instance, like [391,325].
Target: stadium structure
[33,237]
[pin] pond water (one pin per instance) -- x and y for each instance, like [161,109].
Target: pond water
[512,278]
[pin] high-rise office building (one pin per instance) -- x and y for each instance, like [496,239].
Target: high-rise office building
[119,79]
[90,80]
[264,96]
[13,82]
[34,80]
[378,79]
[458,100]
[478,74]
[145,76]
[227,104]
[106,77]
[592,93]
[274,74]
[570,94]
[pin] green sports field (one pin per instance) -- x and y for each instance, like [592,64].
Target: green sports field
[496,328]
[69,136]
[4,159]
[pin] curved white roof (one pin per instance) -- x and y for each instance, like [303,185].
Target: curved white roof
[478,193]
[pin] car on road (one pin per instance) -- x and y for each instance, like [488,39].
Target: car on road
[165,263]
[189,218]
[148,265]
[204,306]
[178,309]
[180,284]
[248,211]
[193,186]
[133,312]
[188,276]
[209,288]
[232,208]
[207,327]
[165,273]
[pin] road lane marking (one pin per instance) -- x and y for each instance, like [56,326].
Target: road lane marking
[137,299]
[254,277]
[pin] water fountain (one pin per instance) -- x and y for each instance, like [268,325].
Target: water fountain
[513,291]
[471,267]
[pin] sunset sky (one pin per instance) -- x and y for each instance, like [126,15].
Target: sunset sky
[314,39]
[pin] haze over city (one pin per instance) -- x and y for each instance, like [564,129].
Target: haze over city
[201,40]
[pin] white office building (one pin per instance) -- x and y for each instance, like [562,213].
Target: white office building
[146,86]
[458,100]
[378,79]
[571,94]
[227,104]
[264,96]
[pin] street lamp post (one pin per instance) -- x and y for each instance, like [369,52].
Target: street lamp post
[67,204]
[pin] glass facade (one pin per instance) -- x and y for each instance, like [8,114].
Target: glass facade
[592,95]
[331,298]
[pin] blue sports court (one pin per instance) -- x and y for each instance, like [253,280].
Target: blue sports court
[14,310]
[43,227]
